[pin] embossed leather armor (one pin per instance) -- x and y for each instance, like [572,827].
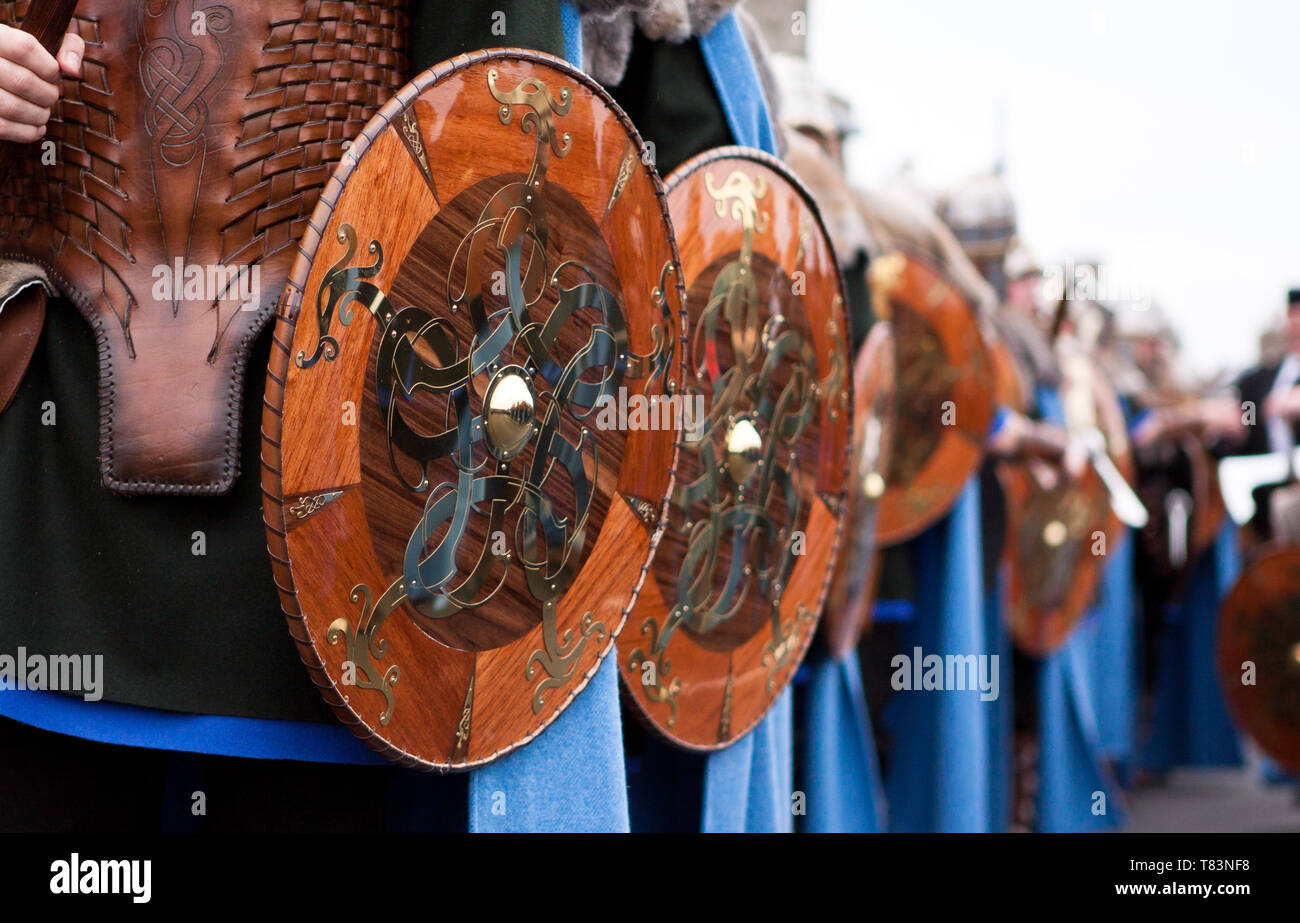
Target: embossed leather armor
[184,168]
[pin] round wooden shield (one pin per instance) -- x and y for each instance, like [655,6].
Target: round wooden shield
[1258,654]
[1059,532]
[944,404]
[1052,564]
[459,523]
[848,610]
[755,520]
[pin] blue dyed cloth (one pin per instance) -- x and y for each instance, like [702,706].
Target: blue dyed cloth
[749,787]
[571,23]
[939,778]
[1190,725]
[841,774]
[736,80]
[1002,717]
[1076,794]
[569,779]
[1110,628]
[132,726]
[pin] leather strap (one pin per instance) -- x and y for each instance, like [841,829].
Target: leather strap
[21,320]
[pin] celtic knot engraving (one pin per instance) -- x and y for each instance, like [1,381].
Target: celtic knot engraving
[306,506]
[178,68]
[743,509]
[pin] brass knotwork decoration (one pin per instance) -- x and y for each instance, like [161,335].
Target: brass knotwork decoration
[540,118]
[777,652]
[463,726]
[741,192]
[926,377]
[558,656]
[363,646]
[724,716]
[306,506]
[943,394]
[411,134]
[339,290]
[408,129]
[659,687]
[643,509]
[743,514]
[653,367]
[625,168]
[832,388]
[1058,525]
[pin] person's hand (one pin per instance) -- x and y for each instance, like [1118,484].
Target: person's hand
[1285,405]
[1077,456]
[29,81]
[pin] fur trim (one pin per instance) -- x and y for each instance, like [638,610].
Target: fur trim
[608,25]
[766,76]
[609,7]
[16,277]
[666,21]
[606,45]
[706,13]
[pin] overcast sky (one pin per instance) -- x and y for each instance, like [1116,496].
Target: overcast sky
[1161,137]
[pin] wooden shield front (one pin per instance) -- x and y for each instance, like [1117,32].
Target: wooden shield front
[1052,565]
[757,514]
[458,531]
[848,611]
[1059,533]
[944,394]
[1258,654]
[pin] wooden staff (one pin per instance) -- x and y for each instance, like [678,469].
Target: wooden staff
[48,21]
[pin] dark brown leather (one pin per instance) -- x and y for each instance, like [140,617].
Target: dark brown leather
[21,321]
[211,149]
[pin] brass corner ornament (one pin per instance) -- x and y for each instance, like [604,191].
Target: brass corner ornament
[741,192]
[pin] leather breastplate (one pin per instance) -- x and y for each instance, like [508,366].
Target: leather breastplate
[184,168]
